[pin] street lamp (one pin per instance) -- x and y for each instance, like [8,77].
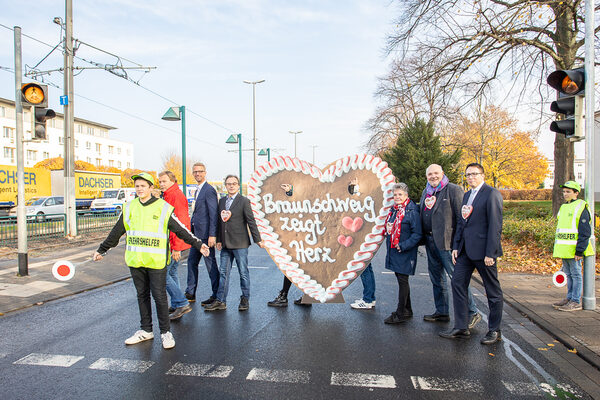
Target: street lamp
[295,133]
[314,147]
[265,152]
[178,114]
[233,139]
[253,83]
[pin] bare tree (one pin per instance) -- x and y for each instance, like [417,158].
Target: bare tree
[469,45]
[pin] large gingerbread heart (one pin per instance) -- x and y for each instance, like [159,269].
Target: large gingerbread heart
[307,234]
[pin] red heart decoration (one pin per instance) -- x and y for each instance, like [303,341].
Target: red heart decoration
[225,215]
[301,232]
[466,211]
[345,241]
[430,202]
[352,225]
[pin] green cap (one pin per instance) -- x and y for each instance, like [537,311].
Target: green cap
[572,185]
[145,176]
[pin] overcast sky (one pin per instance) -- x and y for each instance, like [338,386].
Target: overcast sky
[320,60]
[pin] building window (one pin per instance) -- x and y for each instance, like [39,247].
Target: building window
[31,155]
[9,152]
[111,149]
[88,146]
[79,128]
[552,175]
[76,143]
[98,162]
[60,140]
[118,150]
[111,163]
[2,111]
[46,155]
[90,130]
[579,176]
[98,147]
[128,164]
[52,123]
[119,164]
[8,132]
[87,159]
[579,165]
[128,152]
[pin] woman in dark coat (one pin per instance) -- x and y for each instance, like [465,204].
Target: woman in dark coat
[403,233]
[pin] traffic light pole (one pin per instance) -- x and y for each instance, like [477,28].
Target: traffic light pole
[589,263]
[21,217]
[69,161]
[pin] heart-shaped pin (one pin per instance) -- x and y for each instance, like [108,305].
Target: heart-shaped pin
[225,215]
[352,225]
[466,211]
[430,202]
[302,232]
[345,241]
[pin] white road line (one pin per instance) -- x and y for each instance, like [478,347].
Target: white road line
[121,364]
[49,360]
[278,375]
[204,370]
[387,272]
[363,380]
[30,289]
[531,389]
[446,385]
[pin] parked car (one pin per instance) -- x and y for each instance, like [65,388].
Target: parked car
[112,200]
[42,208]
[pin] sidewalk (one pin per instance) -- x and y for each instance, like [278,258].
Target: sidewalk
[533,296]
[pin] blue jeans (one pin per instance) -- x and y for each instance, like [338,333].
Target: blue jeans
[241,260]
[368,281]
[572,269]
[211,267]
[439,261]
[177,296]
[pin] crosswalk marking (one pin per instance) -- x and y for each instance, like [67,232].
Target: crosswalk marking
[204,370]
[50,360]
[30,289]
[121,364]
[278,375]
[363,380]
[446,385]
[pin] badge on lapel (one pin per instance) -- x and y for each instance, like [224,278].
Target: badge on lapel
[225,215]
[430,202]
[466,211]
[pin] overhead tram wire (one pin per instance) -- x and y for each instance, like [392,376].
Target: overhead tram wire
[188,110]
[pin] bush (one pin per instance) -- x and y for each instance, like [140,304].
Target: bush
[539,231]
[526,194]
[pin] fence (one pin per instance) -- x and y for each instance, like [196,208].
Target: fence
[51,226]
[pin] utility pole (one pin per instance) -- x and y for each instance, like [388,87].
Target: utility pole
[69,162]
[314,146]
[589,267]
[21,217]
[295,133]
[253,83]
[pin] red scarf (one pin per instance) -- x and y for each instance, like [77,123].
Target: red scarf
[400,210]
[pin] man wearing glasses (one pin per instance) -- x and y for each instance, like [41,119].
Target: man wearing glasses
[204,226]
[235,219]
[477,246]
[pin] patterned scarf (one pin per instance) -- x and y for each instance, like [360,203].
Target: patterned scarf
[394,232]
[430,190]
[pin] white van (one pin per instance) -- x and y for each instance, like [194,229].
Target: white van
[112,200]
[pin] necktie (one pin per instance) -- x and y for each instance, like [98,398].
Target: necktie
[472,197]
[228,203]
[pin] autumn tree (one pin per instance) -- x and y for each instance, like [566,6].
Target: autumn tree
[491,138]
[58,163]
[172,162]
[417,146]
[474,44]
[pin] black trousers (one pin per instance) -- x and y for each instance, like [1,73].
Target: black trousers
[404,306]
[460,282]
[146,281]
[287,284]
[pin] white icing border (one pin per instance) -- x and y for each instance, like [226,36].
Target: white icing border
[371,241]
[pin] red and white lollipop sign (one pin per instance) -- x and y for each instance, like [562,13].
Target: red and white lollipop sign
[63,270]
[559,279]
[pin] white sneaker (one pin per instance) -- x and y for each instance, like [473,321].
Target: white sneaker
[139,336]
[167,340]
[362,305]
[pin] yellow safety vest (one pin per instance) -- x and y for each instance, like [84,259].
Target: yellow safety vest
[147,233]
[567,233]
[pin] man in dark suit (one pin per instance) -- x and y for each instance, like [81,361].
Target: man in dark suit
[440,210]
[236,218]
[477,246]
[204,226]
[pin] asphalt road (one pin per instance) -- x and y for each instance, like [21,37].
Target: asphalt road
[73,348]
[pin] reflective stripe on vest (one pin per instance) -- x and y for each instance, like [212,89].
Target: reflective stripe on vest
[147,234]
[567,232]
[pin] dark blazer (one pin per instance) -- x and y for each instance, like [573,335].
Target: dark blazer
[445,214]
[233,234]
[479,235]
[405,260]
[205,216]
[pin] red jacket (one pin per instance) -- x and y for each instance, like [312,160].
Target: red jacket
[174,196]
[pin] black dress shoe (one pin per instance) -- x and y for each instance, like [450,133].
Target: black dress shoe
[395,319]
[491,337]
[436,317]
[191,298]
[208,301]
[299,302]
[456,334]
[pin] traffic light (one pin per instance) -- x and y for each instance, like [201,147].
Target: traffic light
[570,86]
[34,94]
[41,116]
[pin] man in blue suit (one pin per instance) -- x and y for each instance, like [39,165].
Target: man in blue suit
[477,246]
[204,226]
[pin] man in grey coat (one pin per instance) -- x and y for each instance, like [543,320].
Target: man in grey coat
[440,210]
